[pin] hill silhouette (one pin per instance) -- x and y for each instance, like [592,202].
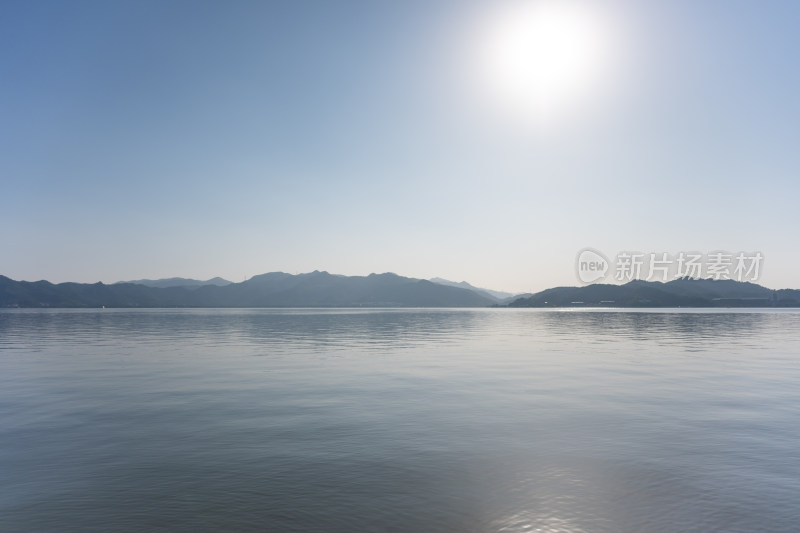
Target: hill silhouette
[322,289]
[275,289]
[684,292]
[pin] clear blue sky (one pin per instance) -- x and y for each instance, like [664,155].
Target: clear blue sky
[157,139]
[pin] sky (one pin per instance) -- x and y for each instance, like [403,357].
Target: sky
[151,139]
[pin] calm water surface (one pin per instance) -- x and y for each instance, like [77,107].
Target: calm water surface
[399,420]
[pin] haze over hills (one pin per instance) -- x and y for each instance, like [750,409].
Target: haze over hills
[178,282]
[275,289]
[322,289]
[499,295]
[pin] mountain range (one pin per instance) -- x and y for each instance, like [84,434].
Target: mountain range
[276,289]
[322,289]
[684,292]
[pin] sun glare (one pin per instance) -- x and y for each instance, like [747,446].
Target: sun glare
[538,58]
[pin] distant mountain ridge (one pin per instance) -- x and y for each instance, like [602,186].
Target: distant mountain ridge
[684,292]
[498,295]
[275,289]
[178,282]
[322,289]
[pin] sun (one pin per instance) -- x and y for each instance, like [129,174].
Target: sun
[538,58]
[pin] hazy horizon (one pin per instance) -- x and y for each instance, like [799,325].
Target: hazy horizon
[574,283]
[195,139]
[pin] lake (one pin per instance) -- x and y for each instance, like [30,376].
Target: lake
[401,420]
